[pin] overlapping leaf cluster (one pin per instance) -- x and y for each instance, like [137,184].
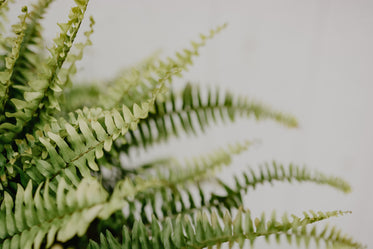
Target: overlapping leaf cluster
[62,180]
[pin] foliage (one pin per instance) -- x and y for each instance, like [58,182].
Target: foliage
[62,183]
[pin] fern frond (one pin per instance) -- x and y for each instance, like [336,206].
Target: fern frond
[56,158]
[29,219]
[65,74]
[118,91]
[5,80]
[332,237]
[81,141]
[38,98]
[194,167]
[172,203]
[137,85]
[206,230]
[31,51]
[171,170]
[10,61]
[92,148]
[80,96]
[78,144]
[96,151]
[168,202]
[27,59]
[276,172]
[177,180]
[199,168]
[24,62]
[186,111]
[97,95]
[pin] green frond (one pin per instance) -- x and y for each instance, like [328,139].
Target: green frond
[168,202]
[331,237]
[65,74]
[199,168]
[211,229]
[10,60]
[173,171]
[65,153]
[35,220]
[90,146]
[83,140]
[190,110]
[98,95]
[26,53]
[32,47]
[118,91]
[29,219]
[94,147]
[276,172]
[177,179]
[78,97]
[194,167]
[172,202]
[77,144]
[138,84]
[37,99]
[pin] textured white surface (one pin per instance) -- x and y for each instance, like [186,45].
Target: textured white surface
[311,58]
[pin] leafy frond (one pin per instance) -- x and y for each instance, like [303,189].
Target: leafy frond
[65,74]
[91,132]
[195,168]
[88,136]
[78,97]
[29,219]
[31,50]
[167,200]
[21,65]
[170,201]
[137,84]
[94,95]
[118,91]
[200,167]
[275,172]
[210,229]
[189,110]
[23,60]
[10,60]
[37,99]
[62,178]
[170,170]
[177,198]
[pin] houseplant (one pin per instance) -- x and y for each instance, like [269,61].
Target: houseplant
[62,180]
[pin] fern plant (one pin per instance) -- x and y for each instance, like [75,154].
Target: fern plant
[62,181]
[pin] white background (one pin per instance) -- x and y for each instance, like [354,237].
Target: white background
[310,58]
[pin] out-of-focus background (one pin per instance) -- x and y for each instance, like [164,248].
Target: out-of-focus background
[310,58]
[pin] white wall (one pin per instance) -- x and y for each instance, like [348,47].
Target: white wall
[311,58]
